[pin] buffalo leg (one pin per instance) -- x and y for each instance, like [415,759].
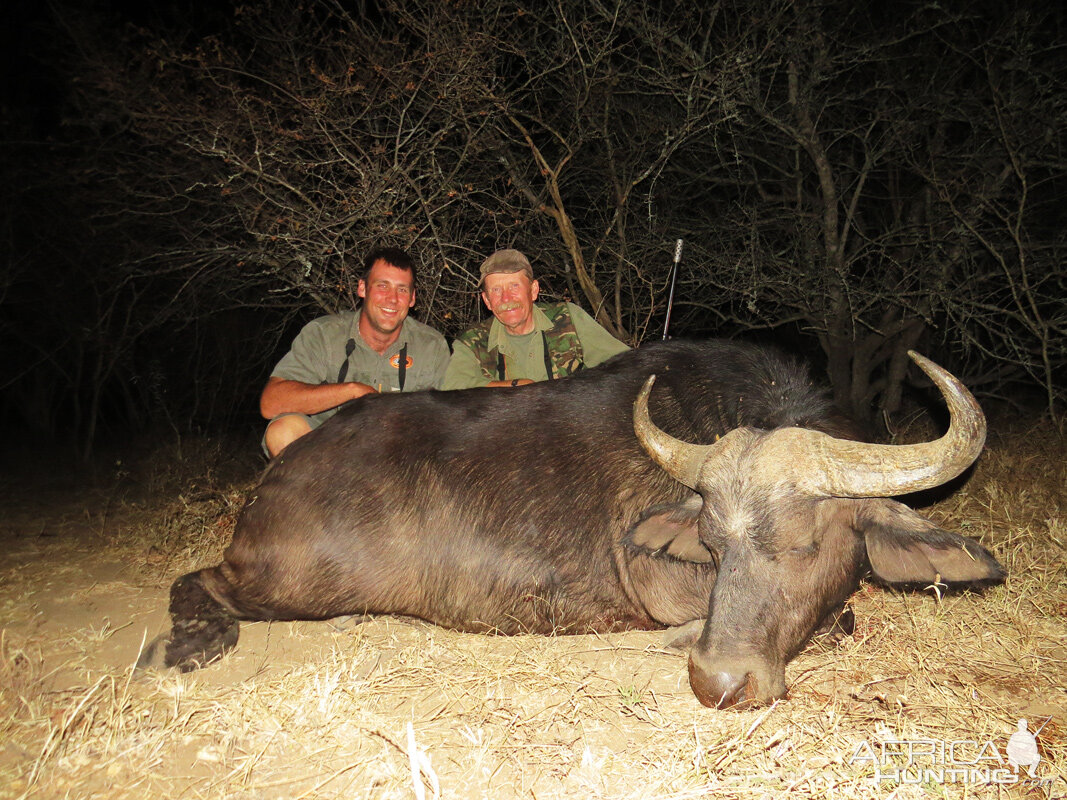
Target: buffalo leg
[202,629]
[835,626]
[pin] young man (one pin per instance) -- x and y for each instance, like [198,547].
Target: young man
[343,356]
[524,342]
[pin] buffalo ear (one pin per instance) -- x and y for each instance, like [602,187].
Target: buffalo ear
[904,547]
[670,530]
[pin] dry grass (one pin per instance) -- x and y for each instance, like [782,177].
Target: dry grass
[310,710]
[179,512]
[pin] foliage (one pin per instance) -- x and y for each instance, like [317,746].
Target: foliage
[852,179]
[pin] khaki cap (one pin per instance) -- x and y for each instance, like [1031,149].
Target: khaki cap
[506,261]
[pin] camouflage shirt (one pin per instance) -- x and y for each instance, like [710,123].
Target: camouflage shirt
[574,340]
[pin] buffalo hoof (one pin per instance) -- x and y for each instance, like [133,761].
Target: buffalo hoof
[835,628]
[348,622]
[202,630]
[152,656]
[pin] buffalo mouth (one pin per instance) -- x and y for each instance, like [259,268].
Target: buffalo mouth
[724,689]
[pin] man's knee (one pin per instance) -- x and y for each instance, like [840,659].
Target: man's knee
[283,431]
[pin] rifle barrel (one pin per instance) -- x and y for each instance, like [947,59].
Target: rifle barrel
[674,279]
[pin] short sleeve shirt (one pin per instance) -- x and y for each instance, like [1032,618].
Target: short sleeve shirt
[318,355]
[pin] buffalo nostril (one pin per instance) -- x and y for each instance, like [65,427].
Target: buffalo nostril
[721,689]
[729,689]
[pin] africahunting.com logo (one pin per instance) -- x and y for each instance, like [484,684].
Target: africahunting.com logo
[959,761]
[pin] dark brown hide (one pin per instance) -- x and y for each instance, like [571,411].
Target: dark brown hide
[537,510]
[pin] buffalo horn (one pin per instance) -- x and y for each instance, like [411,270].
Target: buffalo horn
[681,460]
[828,467]
[840,468]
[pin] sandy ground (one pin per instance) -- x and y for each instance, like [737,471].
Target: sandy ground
[323,709]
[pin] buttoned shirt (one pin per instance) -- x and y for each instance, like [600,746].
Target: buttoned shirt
[319,352]
[524,355]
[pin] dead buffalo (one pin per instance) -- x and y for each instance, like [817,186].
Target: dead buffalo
[539,510]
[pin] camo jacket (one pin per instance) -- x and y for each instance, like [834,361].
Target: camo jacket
[574,341]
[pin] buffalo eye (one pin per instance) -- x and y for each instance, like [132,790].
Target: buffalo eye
[807,551]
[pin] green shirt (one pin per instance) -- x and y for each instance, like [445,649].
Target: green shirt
[318,354]
[524,356]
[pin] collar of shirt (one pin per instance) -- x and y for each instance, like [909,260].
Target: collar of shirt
[392,350]
[499,337]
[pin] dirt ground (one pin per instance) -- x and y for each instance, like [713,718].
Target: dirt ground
[396,708]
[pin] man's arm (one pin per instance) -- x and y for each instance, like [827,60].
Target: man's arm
[281,396]
[463,370]
[439,356]
[597,344]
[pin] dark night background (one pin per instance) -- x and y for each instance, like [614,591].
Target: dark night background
[186,183]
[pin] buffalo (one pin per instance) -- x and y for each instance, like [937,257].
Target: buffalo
[709,483]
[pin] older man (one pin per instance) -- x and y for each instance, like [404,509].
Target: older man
[340,357]
[524,341]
